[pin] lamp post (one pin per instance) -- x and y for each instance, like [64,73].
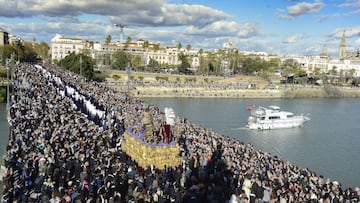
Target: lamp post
[7,85]
[128,71]
[80,64]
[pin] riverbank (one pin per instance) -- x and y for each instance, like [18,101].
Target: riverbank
[167,90]
[150,85]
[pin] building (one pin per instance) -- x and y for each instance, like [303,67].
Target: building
[102,53]
[63,46]
[347,63]
[4,37]
[343,54]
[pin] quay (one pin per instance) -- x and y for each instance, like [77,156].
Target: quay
[68,138]
[145,85]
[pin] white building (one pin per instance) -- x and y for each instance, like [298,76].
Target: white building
[63,46]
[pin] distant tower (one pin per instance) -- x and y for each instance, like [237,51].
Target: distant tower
[324,53]
[342,48]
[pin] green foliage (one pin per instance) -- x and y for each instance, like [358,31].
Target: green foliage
[72,62]
[2,95]
[128,40]
[206,79]
[190,79]
[29,53]
[156,47]
[6,52]
[185,65]
[290,67]
[153,65]
[116,77]
[157,78]
[120,60]
[179,46]
[3,72]
[146,44]
[42,50]
[136,62]
[108,39]
[178,79]
[188,47]
[141,78]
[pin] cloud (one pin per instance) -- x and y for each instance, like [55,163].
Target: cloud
[144,12]
[352,3]
[174,15]
[293,38]
[349,32]
[357,42]
[226,29]
[301,8]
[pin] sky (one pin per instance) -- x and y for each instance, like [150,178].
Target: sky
[298,27]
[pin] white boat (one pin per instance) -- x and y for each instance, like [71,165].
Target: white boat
[272,117]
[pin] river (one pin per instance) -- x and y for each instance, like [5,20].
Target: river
[328,144]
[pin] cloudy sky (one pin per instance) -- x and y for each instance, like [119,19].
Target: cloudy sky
[273,26]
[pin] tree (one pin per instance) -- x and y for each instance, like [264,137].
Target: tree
[188,47]
[185,65]
[128,40]
[234,61]
[6,52]
[290,67]
[120,60]
[29,52]
[213,64]
[153,65]
[136,61]
[79,63]
[108,39]
[156,47]
[146,44]
[179,46]
[333,70]
[42,50]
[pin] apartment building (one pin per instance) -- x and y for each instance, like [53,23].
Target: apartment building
[4,37]
[63,46]
[102,53]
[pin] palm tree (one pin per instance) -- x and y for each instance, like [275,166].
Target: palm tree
[128,40]
[179,46]
[188,47]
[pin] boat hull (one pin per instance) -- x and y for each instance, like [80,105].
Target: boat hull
[278,124]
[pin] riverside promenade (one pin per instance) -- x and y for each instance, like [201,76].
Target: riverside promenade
[65,145]
[228,88]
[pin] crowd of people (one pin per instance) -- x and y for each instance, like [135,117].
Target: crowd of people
[65,146]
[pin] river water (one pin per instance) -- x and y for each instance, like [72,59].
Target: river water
[329,144]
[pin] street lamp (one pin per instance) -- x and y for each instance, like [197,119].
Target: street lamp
[80,64]
[9,62]
[7,85]
[128,71]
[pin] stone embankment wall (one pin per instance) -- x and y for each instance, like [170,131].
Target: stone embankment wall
[177,86]
[199,92]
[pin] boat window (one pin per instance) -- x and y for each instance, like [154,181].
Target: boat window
[274,117]
[289,116]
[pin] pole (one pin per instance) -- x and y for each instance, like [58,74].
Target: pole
[80,63]
[7,86]
[9,64]
[128,70]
